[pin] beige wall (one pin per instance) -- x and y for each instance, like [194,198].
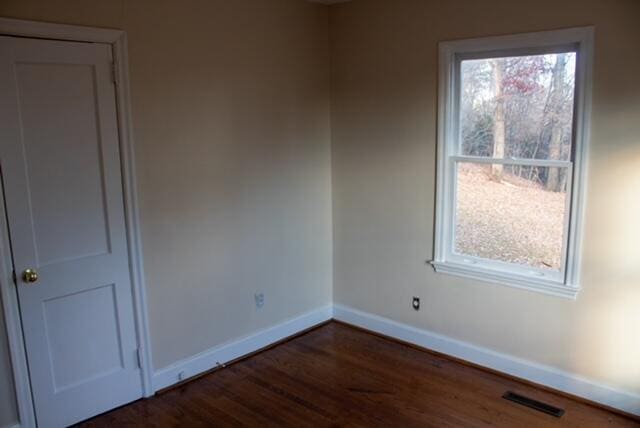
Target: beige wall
[384,66]
[231,124]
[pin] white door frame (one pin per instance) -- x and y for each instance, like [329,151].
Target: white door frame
[118,41]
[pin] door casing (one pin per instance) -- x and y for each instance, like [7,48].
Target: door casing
[117,39]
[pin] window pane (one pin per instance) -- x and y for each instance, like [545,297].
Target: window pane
[518,107]
[511,213]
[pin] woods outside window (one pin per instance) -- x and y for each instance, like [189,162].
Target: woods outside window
[512,141]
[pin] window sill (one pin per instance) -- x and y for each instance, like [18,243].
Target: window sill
[509,279]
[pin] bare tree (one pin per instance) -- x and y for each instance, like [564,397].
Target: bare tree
[519,107]
[498,122]
[476,111]
[555,143]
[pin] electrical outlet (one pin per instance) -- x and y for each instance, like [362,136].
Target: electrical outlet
[415,303]
[259,300]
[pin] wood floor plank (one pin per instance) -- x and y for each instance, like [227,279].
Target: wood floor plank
[340,376]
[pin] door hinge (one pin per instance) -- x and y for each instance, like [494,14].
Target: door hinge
[138,358]
[114,73]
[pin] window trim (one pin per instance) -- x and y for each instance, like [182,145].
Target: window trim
[567,282]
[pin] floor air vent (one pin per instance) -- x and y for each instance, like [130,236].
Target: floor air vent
[534,404]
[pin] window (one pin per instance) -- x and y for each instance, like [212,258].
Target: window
[512,139]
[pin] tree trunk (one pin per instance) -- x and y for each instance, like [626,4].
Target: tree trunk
[555,144]
[498,120]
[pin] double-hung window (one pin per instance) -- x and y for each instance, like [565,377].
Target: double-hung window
[512,141]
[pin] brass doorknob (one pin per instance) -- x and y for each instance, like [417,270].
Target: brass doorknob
[30,275]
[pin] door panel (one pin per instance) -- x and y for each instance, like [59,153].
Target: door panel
[72,362]
[60,164]
[65,184]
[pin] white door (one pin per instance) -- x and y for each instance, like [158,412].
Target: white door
[60,165]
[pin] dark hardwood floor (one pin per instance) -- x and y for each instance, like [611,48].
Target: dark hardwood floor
[337,375]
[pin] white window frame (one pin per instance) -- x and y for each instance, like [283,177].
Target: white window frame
[566,282]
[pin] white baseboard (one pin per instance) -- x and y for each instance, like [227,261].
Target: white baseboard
[222,354]
[543,375]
